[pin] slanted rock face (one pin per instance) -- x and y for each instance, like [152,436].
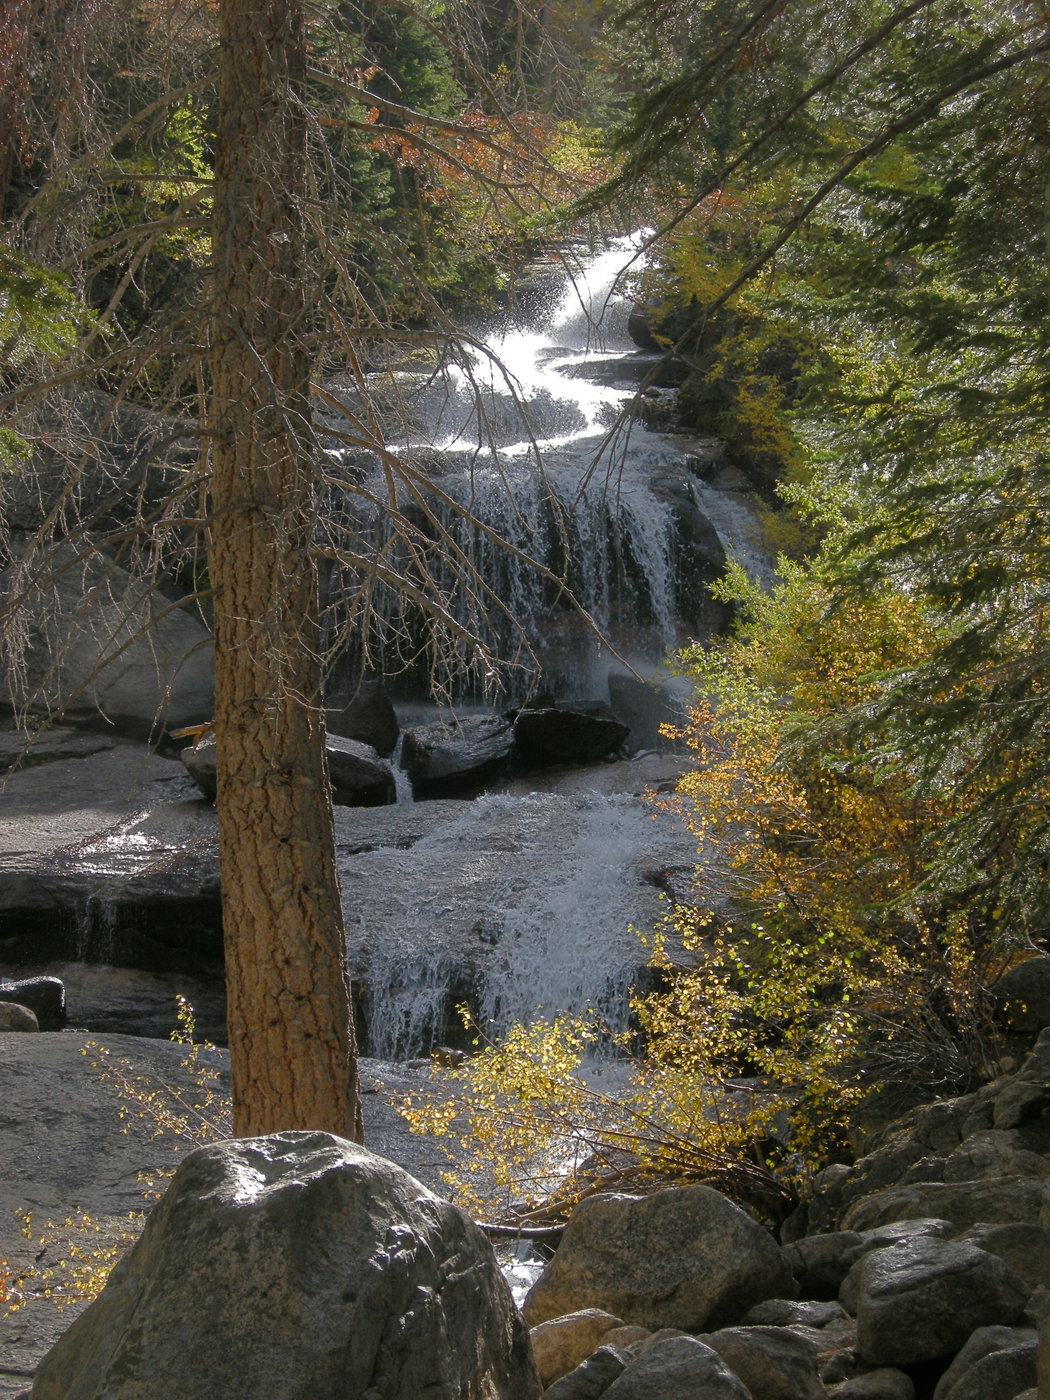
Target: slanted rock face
[449,758]
[684,1258]
[360,777]
[298,1265]
[920,1300]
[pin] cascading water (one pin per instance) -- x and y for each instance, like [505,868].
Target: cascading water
[530,442]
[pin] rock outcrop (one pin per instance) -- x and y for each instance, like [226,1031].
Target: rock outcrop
[297,1265]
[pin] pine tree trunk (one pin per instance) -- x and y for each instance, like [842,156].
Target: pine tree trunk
[290,1026]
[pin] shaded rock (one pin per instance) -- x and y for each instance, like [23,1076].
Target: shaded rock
[921,1300]
[448,758]
[14,1017]
[1001,1375]
[107,649]
[978,1345]
[819,1263]
[45,997]
[773,1363]
[683,1257]
[562,1343]
[964,1203]
[553,735]
[360,777]
[1022,996]
[297,1264]
[785,1312]
[1024,1248]
[995,1152]
[643,707]
[592,1377]
[369,718]
[28,749]
[653,370]
[199,762]
[678,1368]
[884,1383]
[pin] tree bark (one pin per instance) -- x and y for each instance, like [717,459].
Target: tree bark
[290,1025]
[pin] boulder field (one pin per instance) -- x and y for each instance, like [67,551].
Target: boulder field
[919,1272]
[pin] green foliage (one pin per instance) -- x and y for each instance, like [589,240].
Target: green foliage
[40,315]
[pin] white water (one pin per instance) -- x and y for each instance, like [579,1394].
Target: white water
[532,451]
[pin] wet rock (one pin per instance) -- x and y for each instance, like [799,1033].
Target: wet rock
[369,718]
[443,759]
[773,1363]
[14,1017]
[678,1368]
[555,735]
[921,1300]
[683,1257]
[1022,996]
[592,1377]
[562,1343]
[297,1263]
[644,708]
[655,371]
[44,996]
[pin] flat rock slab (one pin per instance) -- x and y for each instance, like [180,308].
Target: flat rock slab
[64,1148]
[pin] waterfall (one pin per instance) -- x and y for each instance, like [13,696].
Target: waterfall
[530,441]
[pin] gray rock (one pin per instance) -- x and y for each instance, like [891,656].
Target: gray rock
[785,1312]
[442,759]
[1022,996]
[678,1368]
[773,1363]
[964,1203]
[819,1263]
[552,735]
[107,649]
[683,1257]
[297,1264]
[995,1152]
[1025,1248]
[562,1343]
[14,1017]
[45,997]
[921,1300]
[592,1377]
[369,718]
[884,1383]
[1001,1375]
[978,1345]
[360,777]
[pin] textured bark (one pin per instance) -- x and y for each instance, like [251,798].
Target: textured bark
[291,1032]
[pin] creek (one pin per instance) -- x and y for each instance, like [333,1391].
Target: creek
[521,902]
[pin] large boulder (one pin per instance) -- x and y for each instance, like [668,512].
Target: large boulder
[104,647]
[360,777]
[920,1300]
[369,718]
[561,1344]
[553,735]
[298,1265]
[685,1257]
[44,996]
[983,1342]
[964,1203]
[773,1362]
[678,1368]
[451,758]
